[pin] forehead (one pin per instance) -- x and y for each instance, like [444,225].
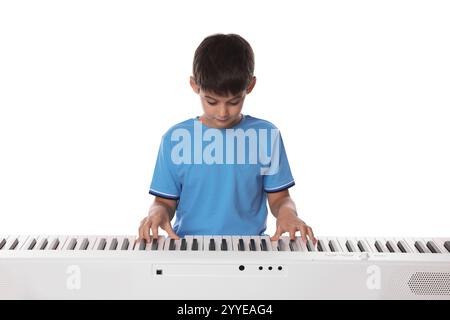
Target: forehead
[211,95]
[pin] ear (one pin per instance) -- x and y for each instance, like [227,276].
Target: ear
[251,85]
[194,86]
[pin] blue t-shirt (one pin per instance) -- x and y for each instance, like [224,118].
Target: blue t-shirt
[221,177]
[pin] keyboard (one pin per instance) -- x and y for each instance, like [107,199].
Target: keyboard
[223,267]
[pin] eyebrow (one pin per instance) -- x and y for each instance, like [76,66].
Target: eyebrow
[238,96]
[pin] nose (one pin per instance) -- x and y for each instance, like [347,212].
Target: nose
[223,112]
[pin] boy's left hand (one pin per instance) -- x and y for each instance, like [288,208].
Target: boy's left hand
[288,221]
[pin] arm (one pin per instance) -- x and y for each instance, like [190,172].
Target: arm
[284,210]
[160,214]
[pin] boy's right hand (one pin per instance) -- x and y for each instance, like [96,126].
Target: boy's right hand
[154,220]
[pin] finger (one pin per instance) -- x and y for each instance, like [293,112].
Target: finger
[292,234]
[146,231]
[311,235]
[277,234]
[155,231]
[303,232]
[170,232]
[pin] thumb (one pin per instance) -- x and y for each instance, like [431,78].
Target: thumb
[170,232]
[277,235]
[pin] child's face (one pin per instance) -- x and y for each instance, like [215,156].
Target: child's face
[221,112]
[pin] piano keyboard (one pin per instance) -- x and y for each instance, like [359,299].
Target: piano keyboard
[226,243]
[223,267]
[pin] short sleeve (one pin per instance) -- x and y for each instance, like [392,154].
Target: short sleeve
[278,177]
[165,182]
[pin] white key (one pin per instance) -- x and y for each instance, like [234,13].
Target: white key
[342,243]
[19,243]
[410,242]
[440,243]
[301,245]
[32,241]
[283,244]
[91,240]
[371,243]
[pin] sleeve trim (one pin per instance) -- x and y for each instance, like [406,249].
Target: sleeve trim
[163,194]
[280,188]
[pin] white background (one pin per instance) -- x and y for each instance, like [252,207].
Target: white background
[359,90]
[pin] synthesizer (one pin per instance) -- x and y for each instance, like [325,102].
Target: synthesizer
[223,267]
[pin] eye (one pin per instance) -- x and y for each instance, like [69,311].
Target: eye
[211,103]
[234,103]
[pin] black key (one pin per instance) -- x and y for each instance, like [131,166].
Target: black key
[263,245]
[142,244]
[320,246]
[433,248]
[419,246]
[349,246]
[183,246]
[310,246]
[402,247]
[390,246]
[14,244]
[379,246]
[195,245]
[280,245]
[113,245]
[2,243]
[223,245]
[43,244]
[172,244]
[125,244]
[54,245]
[447,245]
[292,245]
[102,244]
[212,245]
[332,246]
[154,244]
[32,244]
[252,245]
[84,244]
[241,245]
[72,244]
[361,246]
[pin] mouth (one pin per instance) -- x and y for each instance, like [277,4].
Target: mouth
[223,120]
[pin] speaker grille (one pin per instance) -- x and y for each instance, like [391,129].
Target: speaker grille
[430,283]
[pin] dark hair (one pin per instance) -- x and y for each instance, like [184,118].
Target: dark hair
[223,64]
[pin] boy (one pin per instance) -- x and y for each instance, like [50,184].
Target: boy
[218,189]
